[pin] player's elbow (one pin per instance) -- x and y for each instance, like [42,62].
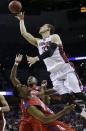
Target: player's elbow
[46,120]
[7,108]
[23,33]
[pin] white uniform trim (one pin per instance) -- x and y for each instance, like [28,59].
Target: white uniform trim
[4,123]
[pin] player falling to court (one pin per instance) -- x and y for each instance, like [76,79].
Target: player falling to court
[36,116]
[51,51]
[4,107]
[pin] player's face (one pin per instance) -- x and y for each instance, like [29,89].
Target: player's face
[44,28]
[31,85]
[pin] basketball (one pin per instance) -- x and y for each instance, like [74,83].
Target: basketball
[15,6]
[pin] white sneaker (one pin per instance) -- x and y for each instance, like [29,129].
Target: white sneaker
[83,113]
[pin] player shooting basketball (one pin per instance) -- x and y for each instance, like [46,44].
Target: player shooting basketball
[51,51]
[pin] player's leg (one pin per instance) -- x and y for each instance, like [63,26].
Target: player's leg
[58,79]
[61,89]
[62,86]
[58,85]
[72,84]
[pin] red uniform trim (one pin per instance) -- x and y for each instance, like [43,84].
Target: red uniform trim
[1,125]
[62,53]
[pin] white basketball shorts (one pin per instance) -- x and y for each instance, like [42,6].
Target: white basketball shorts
[65,82]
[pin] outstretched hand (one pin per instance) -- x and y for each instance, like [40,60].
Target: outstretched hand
[32,60]
[44,83]
[20,16]
[18,58]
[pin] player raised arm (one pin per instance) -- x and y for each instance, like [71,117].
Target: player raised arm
[5,107]
[44,91]
[32,110]
[30,38]
[13,75]
[22,89]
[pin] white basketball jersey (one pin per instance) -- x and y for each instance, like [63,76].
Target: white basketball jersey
[56,61]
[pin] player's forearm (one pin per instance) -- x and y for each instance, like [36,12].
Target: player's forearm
[47,119]
[54,117]
[13,72]
[50,91]
[13,76]
[22,27]
[5,109]
[24,32]
[66,110]
[29,37]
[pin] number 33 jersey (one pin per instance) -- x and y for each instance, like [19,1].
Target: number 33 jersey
[58,59]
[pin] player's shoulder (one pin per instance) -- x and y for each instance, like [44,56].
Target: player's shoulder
[55,36]
[38,39]
[56,39]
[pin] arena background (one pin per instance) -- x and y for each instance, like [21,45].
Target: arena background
[70,24]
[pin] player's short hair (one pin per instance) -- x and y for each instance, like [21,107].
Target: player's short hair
[52,28]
